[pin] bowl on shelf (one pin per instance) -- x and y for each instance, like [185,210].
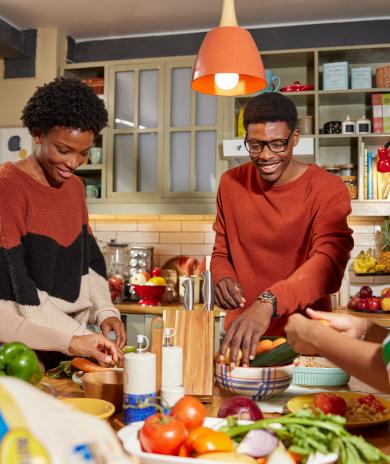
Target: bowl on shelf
[150,295]
[258,383]
[105,385]
[318,372]
[99,408]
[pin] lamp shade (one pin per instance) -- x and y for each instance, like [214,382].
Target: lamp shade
[228,49]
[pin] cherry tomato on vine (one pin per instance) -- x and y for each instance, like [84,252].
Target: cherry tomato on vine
[190,411]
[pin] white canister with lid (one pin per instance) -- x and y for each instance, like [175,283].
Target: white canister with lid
[139,383]
[363,125]
[348,126]
[172,361]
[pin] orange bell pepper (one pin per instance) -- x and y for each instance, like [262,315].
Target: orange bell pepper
[205,440]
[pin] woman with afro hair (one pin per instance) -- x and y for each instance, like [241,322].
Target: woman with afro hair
[52,274]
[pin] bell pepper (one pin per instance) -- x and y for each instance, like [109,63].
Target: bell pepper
[17,360]
[205,440]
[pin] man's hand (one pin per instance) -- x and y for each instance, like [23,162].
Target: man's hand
[298,330]
[245,332]
[115,324]
[229,294]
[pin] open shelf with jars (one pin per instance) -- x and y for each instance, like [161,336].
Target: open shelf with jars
[340,153]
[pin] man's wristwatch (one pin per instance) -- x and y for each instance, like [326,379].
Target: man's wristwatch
[268,297]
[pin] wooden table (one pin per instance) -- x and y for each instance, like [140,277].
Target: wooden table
[379,436]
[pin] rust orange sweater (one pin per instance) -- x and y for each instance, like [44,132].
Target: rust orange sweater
[291,239]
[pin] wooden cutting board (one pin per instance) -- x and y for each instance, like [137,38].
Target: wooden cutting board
[194,332]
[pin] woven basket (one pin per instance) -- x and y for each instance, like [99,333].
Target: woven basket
[382,76]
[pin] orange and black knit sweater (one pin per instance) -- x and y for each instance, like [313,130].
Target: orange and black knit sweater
[51,269]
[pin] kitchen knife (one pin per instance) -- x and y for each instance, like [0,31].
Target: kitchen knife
[208,290]
[188,298]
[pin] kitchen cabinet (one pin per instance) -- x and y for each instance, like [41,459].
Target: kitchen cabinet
[161,144]
[93,174]
[306,66]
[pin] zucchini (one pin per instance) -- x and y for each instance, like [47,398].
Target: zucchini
[281,354]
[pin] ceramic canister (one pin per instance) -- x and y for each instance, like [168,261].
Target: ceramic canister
[139,387]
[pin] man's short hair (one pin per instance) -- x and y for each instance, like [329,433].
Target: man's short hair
[64,102]
[270,107]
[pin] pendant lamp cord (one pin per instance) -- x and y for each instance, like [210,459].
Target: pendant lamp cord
[228,17]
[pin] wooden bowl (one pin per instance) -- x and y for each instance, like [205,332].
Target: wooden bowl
[105,385]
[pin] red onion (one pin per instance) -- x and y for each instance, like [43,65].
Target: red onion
[258,443]
[243,408]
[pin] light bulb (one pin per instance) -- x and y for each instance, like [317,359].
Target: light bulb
[226,81]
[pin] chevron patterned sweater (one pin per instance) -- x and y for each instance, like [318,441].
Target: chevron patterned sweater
[52,273]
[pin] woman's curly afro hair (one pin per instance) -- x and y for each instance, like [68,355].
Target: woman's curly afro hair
[64,102]
[270,107]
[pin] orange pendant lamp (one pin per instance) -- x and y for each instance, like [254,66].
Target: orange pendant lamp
[228,61]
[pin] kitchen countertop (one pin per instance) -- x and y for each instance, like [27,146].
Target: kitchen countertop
[379,436]
[135,308]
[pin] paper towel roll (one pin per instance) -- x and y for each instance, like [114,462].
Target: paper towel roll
[172,366]
[139,373]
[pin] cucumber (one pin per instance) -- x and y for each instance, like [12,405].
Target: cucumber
[282,354]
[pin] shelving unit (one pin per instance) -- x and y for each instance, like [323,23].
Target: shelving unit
[306,66]
[96,77]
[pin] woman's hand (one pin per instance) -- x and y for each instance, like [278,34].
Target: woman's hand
[298,330]
[115,324]
[349,325]
[229,294]
[97,346]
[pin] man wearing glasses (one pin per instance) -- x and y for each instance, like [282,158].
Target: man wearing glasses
[282,240]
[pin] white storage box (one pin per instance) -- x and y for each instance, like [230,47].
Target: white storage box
[361,78]
[335,76]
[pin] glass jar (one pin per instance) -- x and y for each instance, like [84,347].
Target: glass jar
[116,256]
[351,184]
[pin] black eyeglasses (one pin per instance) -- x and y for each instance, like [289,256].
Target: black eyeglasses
[276,146]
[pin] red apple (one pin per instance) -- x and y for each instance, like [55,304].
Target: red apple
[385,292]
[353,302]
[365,292]
[374,303]
[363,304]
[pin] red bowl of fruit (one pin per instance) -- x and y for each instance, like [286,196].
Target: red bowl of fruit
[150,295]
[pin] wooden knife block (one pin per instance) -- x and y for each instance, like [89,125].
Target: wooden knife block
[194,332]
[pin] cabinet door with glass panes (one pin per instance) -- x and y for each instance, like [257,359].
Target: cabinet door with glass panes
[135,131]
[92,172]
[191,136]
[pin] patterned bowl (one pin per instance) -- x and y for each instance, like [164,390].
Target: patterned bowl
[259,383]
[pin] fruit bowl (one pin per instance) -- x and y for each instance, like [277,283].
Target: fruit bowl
[150,295]
[259,383]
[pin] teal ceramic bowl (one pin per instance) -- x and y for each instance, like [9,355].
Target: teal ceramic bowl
[325,375]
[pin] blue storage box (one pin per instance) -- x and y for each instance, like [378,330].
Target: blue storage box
[335,76]
[361,78]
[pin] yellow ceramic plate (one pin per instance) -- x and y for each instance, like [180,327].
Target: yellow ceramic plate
[302,401]
[97,407]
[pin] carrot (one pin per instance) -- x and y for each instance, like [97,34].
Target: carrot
[85,365]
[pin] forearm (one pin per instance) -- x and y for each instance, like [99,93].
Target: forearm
[38,337]
[361,359]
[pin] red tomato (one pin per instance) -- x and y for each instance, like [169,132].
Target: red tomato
[371,401]
[330,404]
[162,434]
[190,411]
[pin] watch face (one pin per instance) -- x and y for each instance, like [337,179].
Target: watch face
[267,295]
